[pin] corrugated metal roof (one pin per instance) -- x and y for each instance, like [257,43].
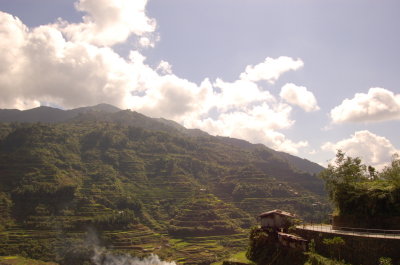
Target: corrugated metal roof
[278,212]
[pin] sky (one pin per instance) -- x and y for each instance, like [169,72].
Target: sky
[307,77]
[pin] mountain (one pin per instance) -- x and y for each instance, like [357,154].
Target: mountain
[108,113]
[301,163]
[102,107]
[51,115]
[296,163]
[144,184]
[40,114]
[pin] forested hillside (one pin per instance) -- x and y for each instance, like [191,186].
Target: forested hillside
[144,185]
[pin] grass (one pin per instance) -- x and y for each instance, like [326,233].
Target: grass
[16,260]
[204,249]
[236,257]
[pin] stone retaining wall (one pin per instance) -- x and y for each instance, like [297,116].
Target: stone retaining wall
[357,250]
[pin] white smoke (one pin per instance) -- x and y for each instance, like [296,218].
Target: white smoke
[101,257]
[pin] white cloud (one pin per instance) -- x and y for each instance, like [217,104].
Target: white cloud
[108,22]
[239,94]
[378,105]
[312,152]
[164,67]
[247,111]
[146,42]
[43,64]
[271,69]
[171,97]
[43,67]
[299,96]
[257,124]
[374,150]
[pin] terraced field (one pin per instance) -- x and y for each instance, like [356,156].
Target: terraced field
[70,187]
[16,260]
[204,250]
[138,241]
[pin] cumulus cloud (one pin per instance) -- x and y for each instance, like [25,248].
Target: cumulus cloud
[146,42]
[164,67]
[271,69]
[71,66]
[171,97]
[108,22]
[374,150]
[247,111]
[378,104]
[239,94]
[44,67]
[258,124]
[312,152]
[299,96]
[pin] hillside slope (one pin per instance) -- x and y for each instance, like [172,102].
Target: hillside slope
[141,183]
[109,113]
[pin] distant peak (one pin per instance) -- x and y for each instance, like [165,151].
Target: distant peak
[43,107]
[102,107]
[105,106]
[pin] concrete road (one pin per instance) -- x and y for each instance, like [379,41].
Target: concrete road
[351,231]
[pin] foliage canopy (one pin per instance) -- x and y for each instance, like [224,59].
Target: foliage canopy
[357,189]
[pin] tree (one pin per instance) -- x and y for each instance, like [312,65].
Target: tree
[392,173]
[358,190]
[334,245]
[342,174]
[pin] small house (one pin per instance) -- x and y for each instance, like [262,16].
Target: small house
[276,219]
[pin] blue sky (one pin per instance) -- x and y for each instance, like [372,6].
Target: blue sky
[306,76]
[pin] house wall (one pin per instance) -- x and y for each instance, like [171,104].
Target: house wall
[292,243]
[267,222]
[274,221]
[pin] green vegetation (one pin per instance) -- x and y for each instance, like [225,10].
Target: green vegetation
[239,257]
[15,260]
[316,259]
[364,198]
[334,244]
[356,189]
[264,249]
[144,185]
[385,261]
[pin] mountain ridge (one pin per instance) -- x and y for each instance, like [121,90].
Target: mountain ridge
[51,114]
[110,113]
